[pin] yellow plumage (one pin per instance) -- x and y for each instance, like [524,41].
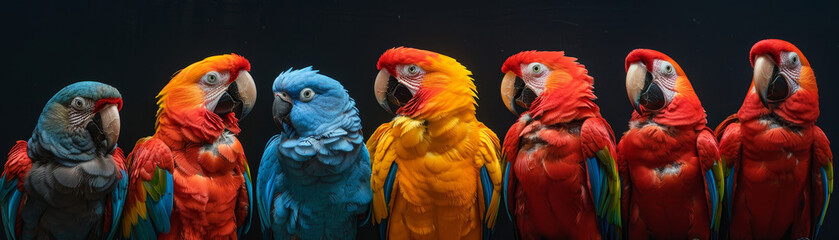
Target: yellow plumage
[439,151]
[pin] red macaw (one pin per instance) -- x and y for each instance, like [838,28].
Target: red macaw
[190,180]
[779,168]
[562,181]
[669,159]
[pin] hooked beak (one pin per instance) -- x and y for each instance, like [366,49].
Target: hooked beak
[771,86]
[516,95]
[644,94]
[239,97]
[104,127]
[281,109]
[391,94]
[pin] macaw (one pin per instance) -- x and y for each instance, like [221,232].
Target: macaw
[562,180]
[314,177]
[778,163]
[69,180]
[190,180]
[669,161]
[436,168]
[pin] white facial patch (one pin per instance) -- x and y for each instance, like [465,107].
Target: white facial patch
[665,79]
[534,80]
[410,76]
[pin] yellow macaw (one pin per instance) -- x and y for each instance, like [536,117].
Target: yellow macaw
[436,169]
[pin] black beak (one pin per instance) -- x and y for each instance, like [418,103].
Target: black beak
[516,95]
[230,101]
[651,98]
[391,94]
[281,109]
[777,90]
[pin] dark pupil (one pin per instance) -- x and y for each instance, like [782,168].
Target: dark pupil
[412,69]
[535,68]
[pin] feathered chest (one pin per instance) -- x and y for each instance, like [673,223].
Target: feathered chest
[656,144]
[320,158]
[771,133]
[225,155]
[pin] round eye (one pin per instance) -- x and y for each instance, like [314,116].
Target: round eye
[668,68]
[413,69]
[78,103]
[537,68]
[307,94]
[793,58]
[211,78]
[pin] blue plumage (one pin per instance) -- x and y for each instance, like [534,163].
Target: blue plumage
[314,177]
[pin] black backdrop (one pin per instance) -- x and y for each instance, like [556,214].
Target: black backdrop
[136,46]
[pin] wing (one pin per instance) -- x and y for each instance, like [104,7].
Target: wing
[268,181]
[491,178]
[14,173]
[509,153]
[383,175]
[117,198]
[598,144]
[150,188]
[728,135]
[709,161]
[822,179]
[246,226]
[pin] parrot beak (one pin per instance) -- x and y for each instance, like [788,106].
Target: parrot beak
[644,94]
[516,95]
[239,97]
[281,109]
[391,94]
[104,128]
[771,86]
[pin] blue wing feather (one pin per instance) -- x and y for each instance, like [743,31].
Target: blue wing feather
[248,218]
[711,184]
[486,187]
[598,181]
[117,203]
[825,187]
[11,201]
[506,193]
[265,194]
[391,177]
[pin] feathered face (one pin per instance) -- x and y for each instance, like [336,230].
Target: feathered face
[309,103]
[530,74]
[653,80]
[780,71]
[219,84]
[79,121]
[411,77]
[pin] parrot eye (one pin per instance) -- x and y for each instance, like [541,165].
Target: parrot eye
[537,68]
[307,94]
[793,58]
[412,69]
[79,103]
[211,78]
[668,69]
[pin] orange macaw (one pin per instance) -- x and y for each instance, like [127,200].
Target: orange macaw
[669,159]
[190,180]
[436,169]
[562,181]
[779,168]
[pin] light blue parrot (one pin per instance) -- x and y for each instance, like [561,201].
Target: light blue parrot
[314,177]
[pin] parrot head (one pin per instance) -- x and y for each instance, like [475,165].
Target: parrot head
[533,75]
[654,80]
[410,78]
[218,87]
[310,104]
[780,71]
[78,123]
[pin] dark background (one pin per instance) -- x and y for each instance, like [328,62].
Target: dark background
[136,46]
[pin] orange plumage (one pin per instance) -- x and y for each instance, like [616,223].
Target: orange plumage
[198,147]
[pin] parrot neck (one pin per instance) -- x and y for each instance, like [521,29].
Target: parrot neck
[683,112]
[574,101]
[193,126]
[800,109]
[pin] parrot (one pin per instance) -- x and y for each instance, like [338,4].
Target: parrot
[778,164]
[669,160]
[561,181]
[314,177]
[190,180]
[69,180]
[436,169]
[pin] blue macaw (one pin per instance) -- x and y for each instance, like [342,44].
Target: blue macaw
[314,177]
[69,180]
